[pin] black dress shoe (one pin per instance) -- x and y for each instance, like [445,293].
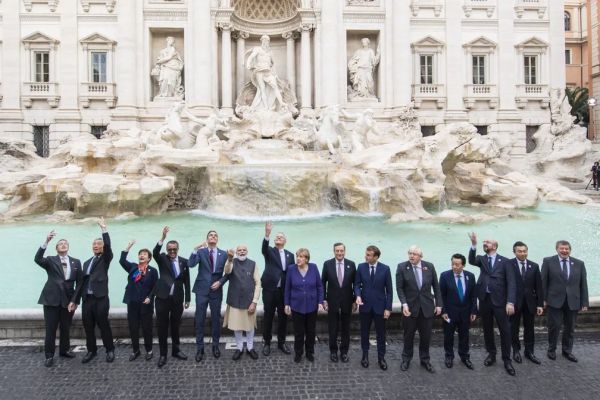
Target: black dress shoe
[509,368]
[89,356]
[199,355]
[448,362]
[404,365]
[110,356]
[333,357]
[489,360]
[569,356]
[382,364]
[310,357]
[297,358]
[365,361]
[216,352]
[531,357]
[68,354]
[49,361]
[180,355]
[517,357]
[284,348]
[428,367]
[344,358]
[266,349]
[134,355]
[162,360]
[252,353]
[552,355]
[236,355]
[148,356]
[467,363]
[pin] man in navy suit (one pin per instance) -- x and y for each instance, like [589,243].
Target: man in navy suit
[497,294]
[530,301]
[373,290]
[564,279]
[273,283]
[459,309]
[211,263]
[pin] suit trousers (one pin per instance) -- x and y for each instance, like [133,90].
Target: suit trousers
[339,321]
[488,313]
[273,300]
[168,314]
[95,312]
[202,304]
[411,325]
[57,317]
[556,318]
[305,327]
[139,314]
[528,317]
[462,325]
[366,318]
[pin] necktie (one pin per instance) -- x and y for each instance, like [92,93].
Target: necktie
[490,263]
[212,262]
[91,265]
[415,269]
[174,268]
[523,269]
[461,291]
[64,267]
[372,273]
[340,271]
[282,258]
[565,272]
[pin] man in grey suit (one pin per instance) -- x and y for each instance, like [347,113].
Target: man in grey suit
[565,293]
[415,280]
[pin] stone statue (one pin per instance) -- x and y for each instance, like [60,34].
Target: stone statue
[361,68]
[260,63]
[172,131]
[560,109]
[207,135]
[364,126]
[330,129]
[167,72]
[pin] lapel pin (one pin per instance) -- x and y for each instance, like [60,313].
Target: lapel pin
[466,278]
[424,268]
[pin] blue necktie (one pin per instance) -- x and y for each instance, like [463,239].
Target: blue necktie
[490,263]
[461,292]
[372,273]
[565,271]
[174,267]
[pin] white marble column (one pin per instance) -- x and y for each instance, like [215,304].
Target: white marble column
[127,66]
[507,78]
[454,61]
[557,78]
[226,71]
[67,73]
[291,59]
[199,73]
[401,55]
[332,40]
[240,68]
[305,68]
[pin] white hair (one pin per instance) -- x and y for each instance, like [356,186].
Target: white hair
[415,249]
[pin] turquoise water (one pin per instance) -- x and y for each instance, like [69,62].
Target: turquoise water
[22,280]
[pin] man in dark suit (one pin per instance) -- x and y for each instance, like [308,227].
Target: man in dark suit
[172,288]
[415,280]
[211,263]
[338,282]
[373,290]
[58,296]
[459,309]
[565,293]
[273,284]
[497,294]
[530,301]
[96,303]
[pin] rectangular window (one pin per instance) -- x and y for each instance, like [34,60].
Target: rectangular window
[482,129]
[427,130]
[479,70]
[98,67]
[426,69]
[568,56]
[530,64]
[41,140]
[42,66]
[530,130]
[98,130]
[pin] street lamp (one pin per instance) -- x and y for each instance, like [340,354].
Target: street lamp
[591,104]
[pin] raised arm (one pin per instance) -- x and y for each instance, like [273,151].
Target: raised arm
[127,266]
[265,243]
[39,255]
[473,249]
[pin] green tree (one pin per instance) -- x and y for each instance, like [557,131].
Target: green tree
[578,99]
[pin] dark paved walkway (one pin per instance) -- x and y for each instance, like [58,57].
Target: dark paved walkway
[23,376]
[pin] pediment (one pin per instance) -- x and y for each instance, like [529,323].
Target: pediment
[532,42]
[96,38]
[39,38]
[428,41]
[481,42]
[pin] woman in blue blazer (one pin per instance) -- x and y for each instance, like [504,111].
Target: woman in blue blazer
[303,298]
[139,298]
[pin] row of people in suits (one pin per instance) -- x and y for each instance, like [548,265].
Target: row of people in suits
[498,294]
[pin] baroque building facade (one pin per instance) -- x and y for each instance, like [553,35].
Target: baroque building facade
[69,67]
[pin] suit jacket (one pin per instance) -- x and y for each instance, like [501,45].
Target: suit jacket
[409,293]
[137,292]
[458,310]
[162,289]
[556,289]
[98,277]
[58,290]
[206,277]
[376,296]
[529,287]
[274,272]
[500,279]
[339,298]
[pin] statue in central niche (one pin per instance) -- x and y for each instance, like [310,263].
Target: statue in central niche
[260,62]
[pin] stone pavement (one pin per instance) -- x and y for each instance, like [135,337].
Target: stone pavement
[23,376]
